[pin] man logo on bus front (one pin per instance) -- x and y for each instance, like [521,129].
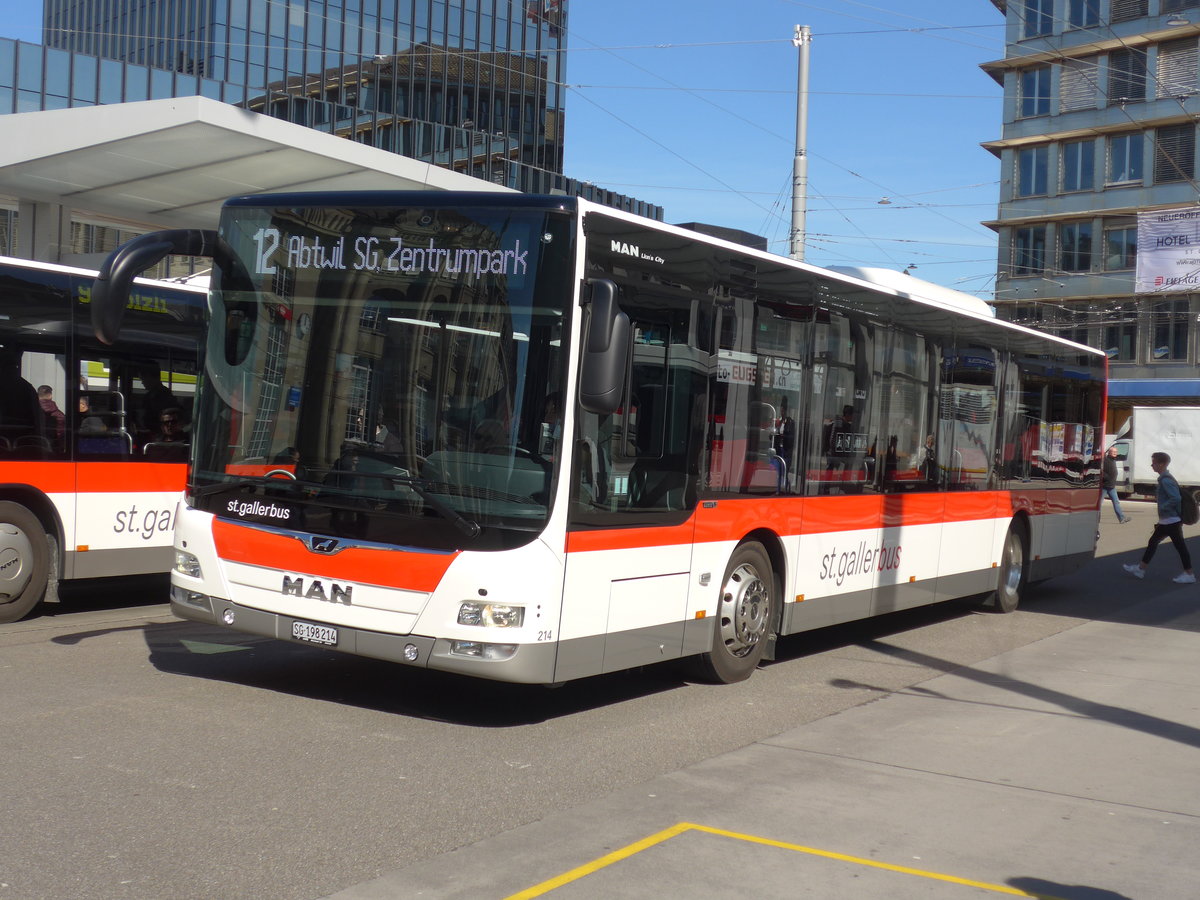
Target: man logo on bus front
[323,544]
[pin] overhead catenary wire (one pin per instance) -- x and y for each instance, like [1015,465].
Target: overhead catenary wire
[778,136]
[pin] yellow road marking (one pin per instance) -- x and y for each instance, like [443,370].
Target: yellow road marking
[539,890]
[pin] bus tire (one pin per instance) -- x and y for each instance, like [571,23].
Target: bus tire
[1013,575]
[24,561]
[745,617]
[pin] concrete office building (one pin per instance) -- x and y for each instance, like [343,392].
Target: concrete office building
[470,86]
[1101,99]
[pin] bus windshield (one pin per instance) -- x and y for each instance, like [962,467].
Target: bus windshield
[389,375]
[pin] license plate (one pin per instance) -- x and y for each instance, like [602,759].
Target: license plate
[315,634]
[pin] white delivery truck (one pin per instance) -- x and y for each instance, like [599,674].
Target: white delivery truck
[1171,429]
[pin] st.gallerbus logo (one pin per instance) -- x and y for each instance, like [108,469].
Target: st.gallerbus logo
[864,558]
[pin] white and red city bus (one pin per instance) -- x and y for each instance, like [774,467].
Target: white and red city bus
[536,439]
[86,488]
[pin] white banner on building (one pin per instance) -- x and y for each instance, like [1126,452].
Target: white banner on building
[1168,251]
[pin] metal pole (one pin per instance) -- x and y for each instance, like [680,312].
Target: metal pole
[801,41]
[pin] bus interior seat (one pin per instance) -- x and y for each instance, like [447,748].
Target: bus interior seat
[114,443]
[166,451]
[659,484]
[34,441]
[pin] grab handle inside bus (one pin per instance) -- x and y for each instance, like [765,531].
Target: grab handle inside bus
[111,289]
[605,350]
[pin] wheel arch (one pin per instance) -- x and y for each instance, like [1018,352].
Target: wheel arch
[43,508]
[1021,519]
[1020,525]
[773,544]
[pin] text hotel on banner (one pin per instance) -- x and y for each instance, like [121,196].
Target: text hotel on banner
[1168,251]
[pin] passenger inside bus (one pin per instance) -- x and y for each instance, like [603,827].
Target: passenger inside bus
[56,419]
[102,423]
[171,442]
[170,424]
[20,412]
[89,422]
[551,431]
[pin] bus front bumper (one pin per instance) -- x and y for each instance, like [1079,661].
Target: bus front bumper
[521,663]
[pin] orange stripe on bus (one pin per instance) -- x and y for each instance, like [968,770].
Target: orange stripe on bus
[47,477]
[629,538]
[729,519]
[386,568]
[97,477]
[94,477]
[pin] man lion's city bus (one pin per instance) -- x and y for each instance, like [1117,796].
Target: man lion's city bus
[535,439]
[88,488]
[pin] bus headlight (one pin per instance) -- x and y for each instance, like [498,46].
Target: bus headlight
[491,615]
[187,564]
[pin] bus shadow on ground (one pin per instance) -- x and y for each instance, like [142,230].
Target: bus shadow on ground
[204,651]
[100,594]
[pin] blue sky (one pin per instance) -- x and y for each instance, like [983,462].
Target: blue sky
[691,105]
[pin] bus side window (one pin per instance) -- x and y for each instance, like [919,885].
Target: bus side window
[644,458]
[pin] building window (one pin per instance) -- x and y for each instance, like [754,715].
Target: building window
[1174,153]
[1128,9]
[1073,325]
[1029,250]
[1075,246]
[1120,248]
[1078,83]
[1170,320]
[1035,92]
[1078,166]
[1032,166]
[1177,68]
[1082,13]
[1038,17]
[1030,315]
[1125,158]
[1120,335]
[8,232]
[1126,75]
[1175,5]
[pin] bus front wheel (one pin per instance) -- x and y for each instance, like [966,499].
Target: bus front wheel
[1013,575]
[745,616]
[24,561]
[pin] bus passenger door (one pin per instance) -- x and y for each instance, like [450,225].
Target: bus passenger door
[634,489]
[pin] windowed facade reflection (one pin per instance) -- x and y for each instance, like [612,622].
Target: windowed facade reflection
[470,85]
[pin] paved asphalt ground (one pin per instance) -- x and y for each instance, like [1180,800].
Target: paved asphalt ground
[1067,768]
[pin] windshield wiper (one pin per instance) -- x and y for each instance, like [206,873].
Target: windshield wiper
[418,487]
[248,481]
[463,524]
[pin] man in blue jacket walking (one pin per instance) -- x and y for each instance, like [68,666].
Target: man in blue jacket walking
[1169,525]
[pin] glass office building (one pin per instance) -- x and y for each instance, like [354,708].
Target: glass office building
[470,85]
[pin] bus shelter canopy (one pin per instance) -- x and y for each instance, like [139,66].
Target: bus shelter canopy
[171,163]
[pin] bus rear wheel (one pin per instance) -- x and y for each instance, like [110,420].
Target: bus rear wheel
[745,617]
[24,561]
[1012,576]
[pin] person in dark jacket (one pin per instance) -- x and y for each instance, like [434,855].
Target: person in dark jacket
[1169,525]
[56,419]
[1108,483]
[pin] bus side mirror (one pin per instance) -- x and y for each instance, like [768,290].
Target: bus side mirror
[605,350]
[111,289]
